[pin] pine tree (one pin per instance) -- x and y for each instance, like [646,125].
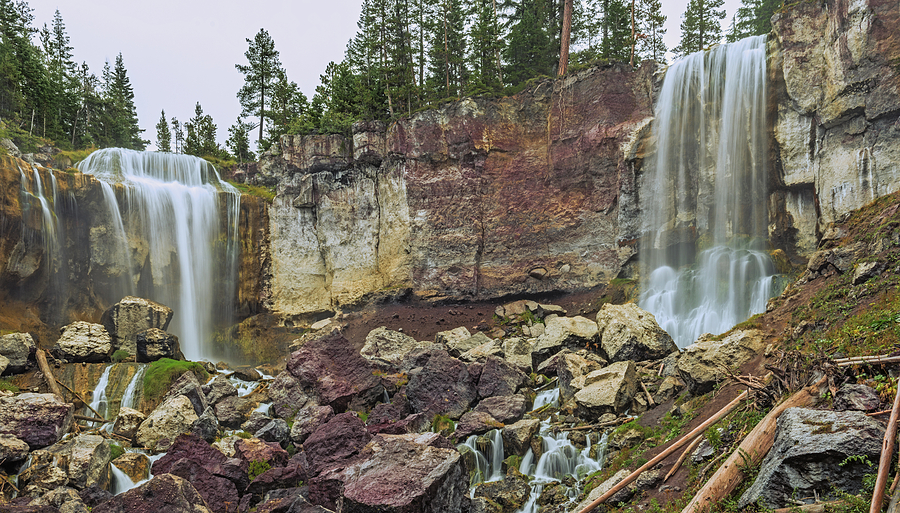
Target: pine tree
[62,99]
[487,74]
[363,56]
[120,115]
[163,135]
[260,75]
[288,108]
[531,50]
[178,135]
[238,141]
[700,26]
[652,20]
[201,135]
[753,18]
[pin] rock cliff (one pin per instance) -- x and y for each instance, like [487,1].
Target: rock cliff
[479,198]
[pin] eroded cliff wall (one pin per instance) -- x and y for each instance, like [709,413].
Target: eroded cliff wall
[480,198]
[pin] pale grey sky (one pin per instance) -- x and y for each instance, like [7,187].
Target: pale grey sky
[180,52]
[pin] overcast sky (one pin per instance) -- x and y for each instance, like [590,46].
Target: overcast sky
[179,52]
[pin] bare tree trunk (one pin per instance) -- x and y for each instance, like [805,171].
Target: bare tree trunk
[564,38]
[633,40]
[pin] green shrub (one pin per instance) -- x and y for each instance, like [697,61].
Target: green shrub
[257,468]
[162,373]
[120,355]
[115,450]
[7,386]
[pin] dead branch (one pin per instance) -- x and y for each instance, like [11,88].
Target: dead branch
[691,448]
[7,481]
[668,452]
[649,397]
[81,399]
[616,422]
[753,448]
[820,507]
[867,360]
[48,374]
[887,452]
[877,413]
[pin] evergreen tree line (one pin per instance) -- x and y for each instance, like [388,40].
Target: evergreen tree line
[45,93]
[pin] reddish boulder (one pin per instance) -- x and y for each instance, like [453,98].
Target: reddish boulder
[442,386]
[220,494]
[254,449]
[336,441]
[165,492]
[499,378]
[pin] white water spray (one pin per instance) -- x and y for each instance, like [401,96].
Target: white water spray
[707,189]
[173,203]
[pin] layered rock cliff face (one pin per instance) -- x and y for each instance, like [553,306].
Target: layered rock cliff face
[480,198]
[835,78]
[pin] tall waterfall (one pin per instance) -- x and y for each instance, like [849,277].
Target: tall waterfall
[705,194]
[168,237]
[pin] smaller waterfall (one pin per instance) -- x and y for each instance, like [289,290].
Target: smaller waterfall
[486,469]
[98,398]
[129,398]
[546,397]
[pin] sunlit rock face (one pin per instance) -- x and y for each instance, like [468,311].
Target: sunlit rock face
[479,198]
[836,99]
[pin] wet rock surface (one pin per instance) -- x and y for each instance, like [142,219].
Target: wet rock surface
[37,419]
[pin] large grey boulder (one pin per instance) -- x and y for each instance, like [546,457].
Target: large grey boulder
[572,333]
[453,336]
[702,364]
[458,347]
[608,390]
[188,385]
[84,461]
[132,315]
[154,343]
[19,349]
[815,453]
[517,351]
[173,417]
[84,342]
[572,369]
[308,420]
[4,363]
[37,419]
[219,388]
[384,346]
[127,422]
[628,332]
[517,437]
[12,449]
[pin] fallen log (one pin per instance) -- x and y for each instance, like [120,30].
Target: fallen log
[870,360]
[887,452]
[647,392]
[668,452]
[691,448]
[753,449]
[820,507]
[88,419]
[48,374]
[81,399]
[609,423]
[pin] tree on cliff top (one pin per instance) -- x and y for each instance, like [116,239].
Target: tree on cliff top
[753,18]
[260,76]
[163,135]
[700,26]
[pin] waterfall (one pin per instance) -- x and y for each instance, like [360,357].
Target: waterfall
[98,398]
[705,194]
[168,211]
[129,398]
[486,468]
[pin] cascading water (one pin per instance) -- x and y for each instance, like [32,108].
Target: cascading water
[705,194]
[98,399]
[173,203]
[129,398]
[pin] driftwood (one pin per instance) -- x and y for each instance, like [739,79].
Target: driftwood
[876,413]
[752,450]
[887,452]
[668,452]
[869,360]
[82,400]
[616,422]
[7,481]
[48,374]
[88,419]
[649,397]
[821,507]
[691,448]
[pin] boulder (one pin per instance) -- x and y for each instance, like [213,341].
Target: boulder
[480,353]
[288,395]
[4,363]
[219,493]
[511,493]
[442,386]
[475,423]
[12,449]
[815,453]
[165,492]
[254,449]
[257,420]
[505,409]
[127,422]
[38,420]
[572,369]
[19,349]
[333,367]
[517,437]
[460,346]
[838,259]
[132,315]
[172,418]
[608,390]
[233,411]
[517,352]
[865,271]
[308,420]
[401,474]
[387,348]
[276,430]
[134,464]
[154,343]
[83,460]
[246,374]
[93,496]
[560,333]
[700,365]
[84,342]
[219,388]
[187,385]
[207,426]
[64,498]
[453,336]
[499,378]
[852,396]
[336,441]
[628,332]
[602,488]
[194,448]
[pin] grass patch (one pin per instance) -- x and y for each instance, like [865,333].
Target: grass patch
[266,193]
[162,373]
[7,386]
[120,355]
[115,450]
[257,468]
